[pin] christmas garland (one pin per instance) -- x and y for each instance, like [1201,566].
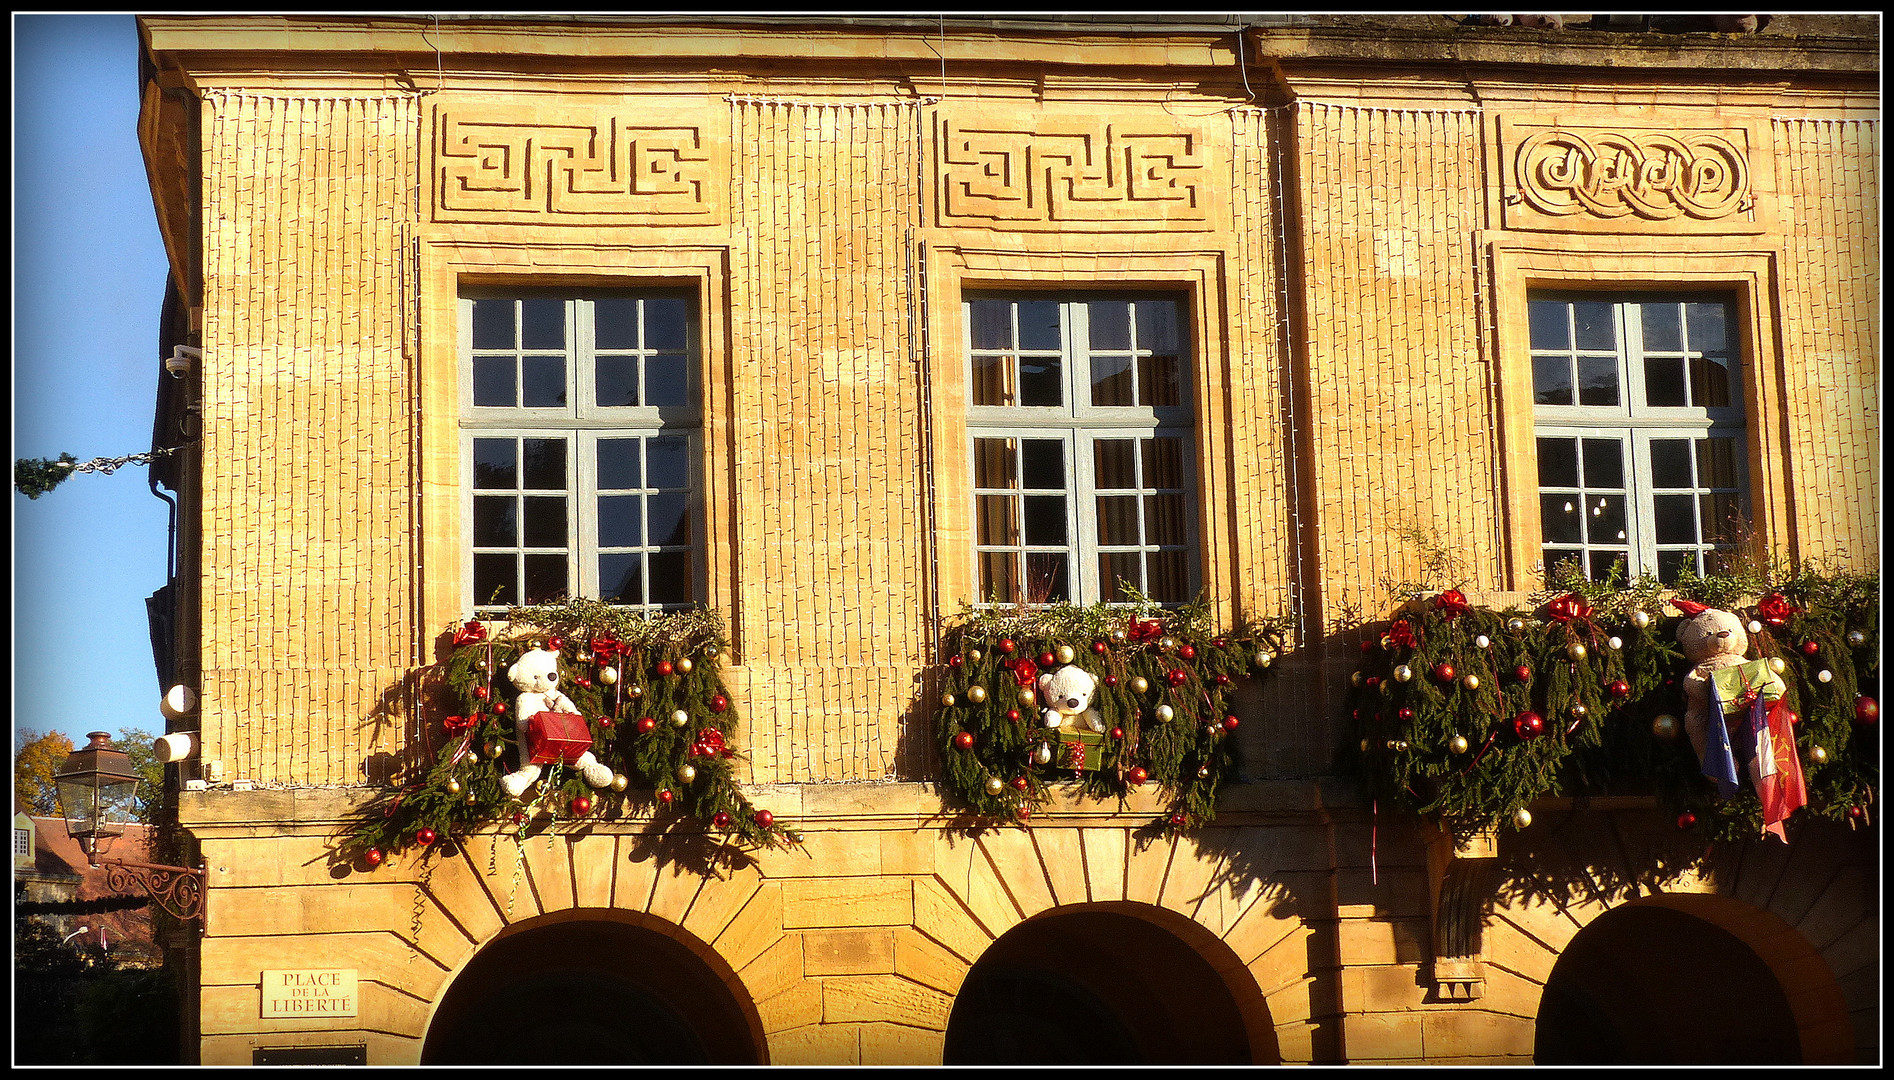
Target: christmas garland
[1464,714]
[1162,680]
[656,709]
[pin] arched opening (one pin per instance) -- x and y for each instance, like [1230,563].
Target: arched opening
[590,992]
[1097,986]
[1649,985]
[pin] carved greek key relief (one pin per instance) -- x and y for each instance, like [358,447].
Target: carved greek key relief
[1068,173]
[1595,176]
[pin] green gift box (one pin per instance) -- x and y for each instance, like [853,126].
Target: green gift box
[1082,751]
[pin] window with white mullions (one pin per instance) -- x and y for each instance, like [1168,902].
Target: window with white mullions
[1640,431]
[1080,446]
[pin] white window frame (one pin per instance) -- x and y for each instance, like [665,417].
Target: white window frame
[1635,423]
[1078,424]
[582,423]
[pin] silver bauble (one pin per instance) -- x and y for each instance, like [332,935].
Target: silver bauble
[1666,727]
[1856,638]
[1118,636]
[1483,641]
[1516,625]
[1522,818]
[1265,658]
[680,718]
[1168,644]
[1042,754]
[1616,643]
[1825,675]
[1640,619]
[1402,673]
[1164,714]
[608,676]
[1755,627]
[634,692]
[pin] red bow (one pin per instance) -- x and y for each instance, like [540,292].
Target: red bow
[1024,671]
[471,634]
[1775,609]
[1452,603]
[459,723]
[1402,634]
[1144,629]
[709,743]
[1568,607]
[604,647]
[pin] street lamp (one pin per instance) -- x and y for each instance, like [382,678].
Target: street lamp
[97,790]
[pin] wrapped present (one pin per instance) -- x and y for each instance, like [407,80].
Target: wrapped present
[1738,686]
[557,737]
[1080,751]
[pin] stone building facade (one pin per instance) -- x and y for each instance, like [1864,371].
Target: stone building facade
[1352,221]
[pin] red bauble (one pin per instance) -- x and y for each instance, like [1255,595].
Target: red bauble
[1444,671]
[1177,678]
[1795,718]
[646,725]
[1006,645]
[1857,813]
[1522,673]
[499,708]
[1686,820]
[1528,725]
[425,836]
[605,722]
[665,796]
[1024,812]
[1406,713]
[519,817]
[1111,680]
[586,683]
[1046,659]
[480,692]
[1810,648]
[1365,646]
[555,644]
[1117,733]
[1229,723]
[764,818]
[1188,652]
[719,703]
[1020,782]
[964,740]
[1137,776]
[1219,642]
[1013,715]
[721,820]
[1619,688]
[1177,820]
[954,660]
[665,667]
[1867,710]
[1100,648]
[1222,679]
[372,856]
[1372,681]
[582,805]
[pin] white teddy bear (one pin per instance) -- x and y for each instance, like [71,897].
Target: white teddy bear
[536,676]
[1067,696]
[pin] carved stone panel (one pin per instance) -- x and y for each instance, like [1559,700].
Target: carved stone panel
[1074,173]
[1602,176]
[566,164]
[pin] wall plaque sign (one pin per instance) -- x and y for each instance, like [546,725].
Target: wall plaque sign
[309,993]
[1599,176]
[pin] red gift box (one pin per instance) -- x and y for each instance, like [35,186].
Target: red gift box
[557,736]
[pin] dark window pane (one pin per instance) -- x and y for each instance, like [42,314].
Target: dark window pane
[1111,325]
[666,323]
[1675,518]
[1045,520]
[1558,462]
[1605,515]
[493,382]
[1710,383]
[1554,556]
[615,324]
[620,521]
[1593,322]
[1707,330]
[1722,560]
[1663,327]
[1039,381]
[621,578]
[1045,577]
[1720,517]
[495,524]
[1114,464]
[1043,463]
[494,580]
[545,464]
[1604,463]
[1550,328]
[1117,569]
[1039,325]
[1671,563]
[666,380]
[996,525]
[667,463]
[1558,516]
[618,464]
[1602,563]
[1169,576]
[1163,463]
[1111,380]
[1158,326]
[1716,463]
[1670,463]
[496,464]
[493,324]
[544,384]
[1551,380]
[993,380]
[993,464]
[670,517]
[616,380]
[672,579]
[999,576]
[546,578]
[990,323]
[1597,380]
[1664,383]
[545,520]
[1164,519]
[543,324]
[1118,519]
[1158,382]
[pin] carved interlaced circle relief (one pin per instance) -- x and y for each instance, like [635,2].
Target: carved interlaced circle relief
[1613,175]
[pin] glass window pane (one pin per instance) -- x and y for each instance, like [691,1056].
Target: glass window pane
[1559,516]
[1595,325]
[1710,382]
[615,324]
[1042,463]
[1597,380]
[670,517]
[544,382]
[621,578]
[1169,576]
[1555,556]
[666,380]
[543,323]
[615,381]
[1605,520]
[1111,324]
[1158,381]
[996,524]
[1045,520]
[620,521]
[1707,330]
[1604,463]
[1039,381]
[999,576]
[1163,463]
[1722,522]
[666,322]
[667,463]
[494,582]
[1664,383]
[993,464]
[493,385]
[1114,464]
[1558,462]
[1551,380]
[1551,328]
[493,324]
[1663,327]
[545,464]
[1117,569]
[990,323]
[1111,380]
[1671,563]
[1158,327]
[1602,563]
[618,464]
[1675,518]
[1046,578]
[1716,463]
[1039,325]
[672,577]
[545,521]
[1670,463]
[993,380]
[495,524]
[1118,520]
[1164,519]
[496,464]
[545,578]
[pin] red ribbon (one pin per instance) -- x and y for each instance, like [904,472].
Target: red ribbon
[1452,603]
[472,633]
[709,743]
[460,723]
[1568,607]
[604,647]
[1775,609]
[1144,629]
[1024,671]
[1402,634]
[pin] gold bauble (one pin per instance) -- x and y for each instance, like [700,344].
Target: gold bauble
[1355,679]
[1576,650]
[608,675]
[994,785]
[1666,727]
[1066,654]
[1516,625]
[1026,696]
[686,773]
[1118,637]
[947,700]
[453,787]
[1265,658]
[1578,710]
[471,800]
[1818,755]
[1457,744]
[620,781]
[683,665]
[1640,619]
[1522,817]
[976,694]
[1777,665]
[1164,714]
[1139,685]
[1167,644]
[1203,771]
[1471,682]
[1402,673]
[974,656]
[1042,754]
[1824,675]
[1364,746]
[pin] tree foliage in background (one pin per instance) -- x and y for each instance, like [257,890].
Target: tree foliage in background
[35,758]
[75,1003]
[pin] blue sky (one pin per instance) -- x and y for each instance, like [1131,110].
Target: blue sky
[88,287]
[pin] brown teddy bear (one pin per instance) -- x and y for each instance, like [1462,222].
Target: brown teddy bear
[1712,639]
